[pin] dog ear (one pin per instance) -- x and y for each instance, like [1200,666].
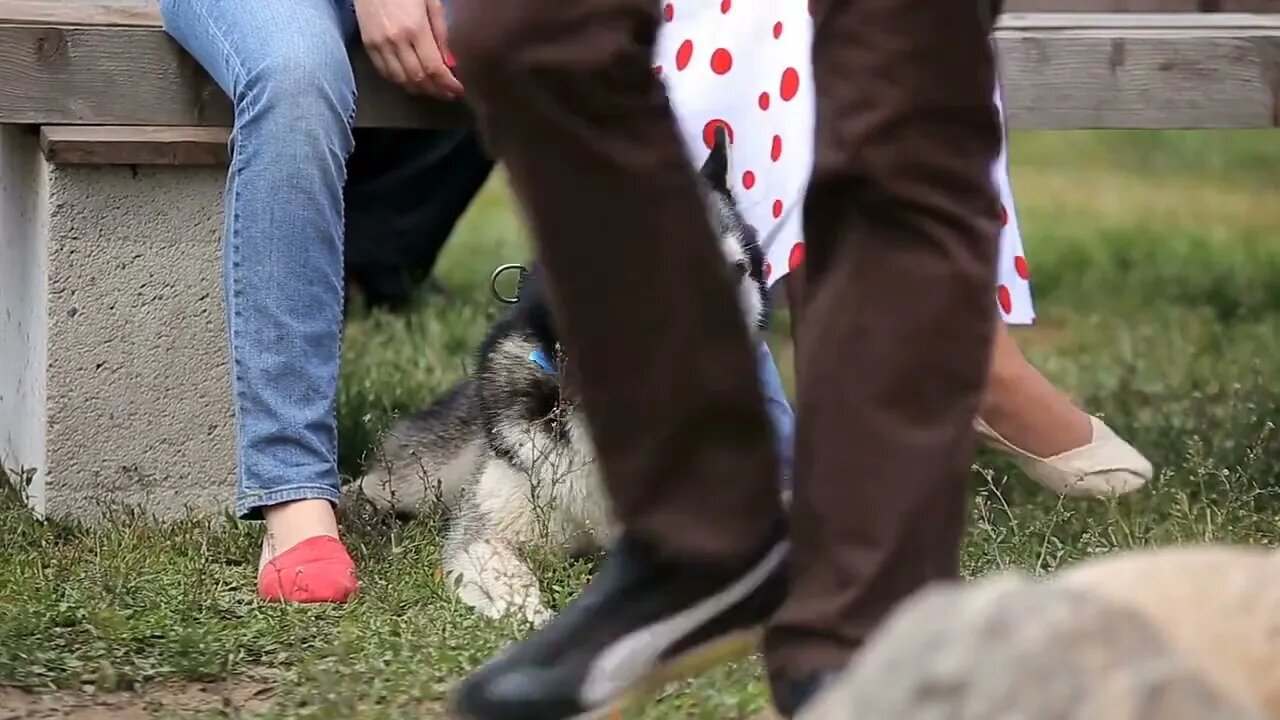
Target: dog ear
[715,169]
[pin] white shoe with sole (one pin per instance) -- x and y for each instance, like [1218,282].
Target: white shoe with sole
[1105,468]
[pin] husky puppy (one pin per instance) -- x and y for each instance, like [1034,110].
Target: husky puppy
[506,453]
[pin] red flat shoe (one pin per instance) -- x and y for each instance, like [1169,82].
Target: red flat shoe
[316,570]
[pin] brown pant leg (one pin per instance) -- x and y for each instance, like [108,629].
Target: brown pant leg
[565,95]
[901,226]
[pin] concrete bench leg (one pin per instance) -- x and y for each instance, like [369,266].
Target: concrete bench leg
[114,387]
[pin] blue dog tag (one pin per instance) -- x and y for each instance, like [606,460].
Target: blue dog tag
[539,357]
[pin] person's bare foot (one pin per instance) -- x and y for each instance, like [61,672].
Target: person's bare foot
[302,558]
[292,522]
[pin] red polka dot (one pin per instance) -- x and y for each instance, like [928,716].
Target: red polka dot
[748,180]
[668,12]
[768,270]
[777,29]
[796,258]
[764,101]
[721,61]
[1004,215]
[1006,300]
[684,54]
[725,5]
[777,209]
[775,152]
[790,84]
[657,69]
[1020,265]
[709,132]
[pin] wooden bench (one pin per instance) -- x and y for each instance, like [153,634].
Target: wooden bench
[113,142]
[113,369]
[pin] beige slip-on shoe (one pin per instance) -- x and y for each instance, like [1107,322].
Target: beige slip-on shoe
[1107,467]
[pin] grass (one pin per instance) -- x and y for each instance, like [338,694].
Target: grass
[1157,282]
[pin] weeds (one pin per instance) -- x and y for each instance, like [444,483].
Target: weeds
[1157,284]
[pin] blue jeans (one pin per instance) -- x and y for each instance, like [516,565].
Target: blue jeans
[285,66]
[779,410]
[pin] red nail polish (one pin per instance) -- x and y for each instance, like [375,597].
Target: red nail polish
[449,60]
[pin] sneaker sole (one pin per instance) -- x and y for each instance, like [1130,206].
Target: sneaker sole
[692,662]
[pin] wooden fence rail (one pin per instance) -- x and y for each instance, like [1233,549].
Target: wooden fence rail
[109,63]
[1144,6]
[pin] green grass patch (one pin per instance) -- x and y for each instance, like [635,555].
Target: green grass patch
[1157,279]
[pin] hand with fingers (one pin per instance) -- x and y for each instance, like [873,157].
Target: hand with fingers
[407,43]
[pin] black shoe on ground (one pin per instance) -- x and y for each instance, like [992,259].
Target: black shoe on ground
[641,623]
[791,695]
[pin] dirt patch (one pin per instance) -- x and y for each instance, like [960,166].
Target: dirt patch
[231,698]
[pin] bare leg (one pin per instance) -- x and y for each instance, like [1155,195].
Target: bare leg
[292,522]
[1054,442]
[1024,407]
[1019,403]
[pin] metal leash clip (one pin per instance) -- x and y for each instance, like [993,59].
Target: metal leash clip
[497,274]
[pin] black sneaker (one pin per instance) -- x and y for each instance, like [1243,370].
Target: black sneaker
[641,623]
[792,695]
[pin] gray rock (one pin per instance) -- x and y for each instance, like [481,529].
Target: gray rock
[1011,648]
[1218,606]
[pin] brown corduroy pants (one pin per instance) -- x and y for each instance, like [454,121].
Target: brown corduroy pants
[901,225]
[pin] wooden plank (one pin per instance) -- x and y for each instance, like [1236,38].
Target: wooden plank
[1249,6]
[1101,6]
[122,13]
[61,68]
[123,145]
[1179,70]
[139,76]
[1060,70]
[1156,24]
[1129,6]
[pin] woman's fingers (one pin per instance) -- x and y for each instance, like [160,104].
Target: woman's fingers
[439,80]
[415,73]
[388,64]
[406,40]
[440,29]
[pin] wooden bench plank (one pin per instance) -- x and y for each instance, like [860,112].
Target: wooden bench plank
[1144,6]
[123,145]
[1249,6]
[1169,70]
[1096,6]
[1164,70]
[1061,71]
[1139,23]
[109,62]
[120,13]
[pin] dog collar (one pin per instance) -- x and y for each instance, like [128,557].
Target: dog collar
[540,358]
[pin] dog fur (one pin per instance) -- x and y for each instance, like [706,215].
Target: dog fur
[507,454]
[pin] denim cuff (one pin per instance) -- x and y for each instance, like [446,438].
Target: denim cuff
[250,503]
[781,417]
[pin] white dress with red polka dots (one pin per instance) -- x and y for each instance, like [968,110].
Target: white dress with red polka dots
[746,64]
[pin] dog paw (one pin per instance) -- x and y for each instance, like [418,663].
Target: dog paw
[526,604]
[538,614]
[498,601]
[497,607]
[491,578]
